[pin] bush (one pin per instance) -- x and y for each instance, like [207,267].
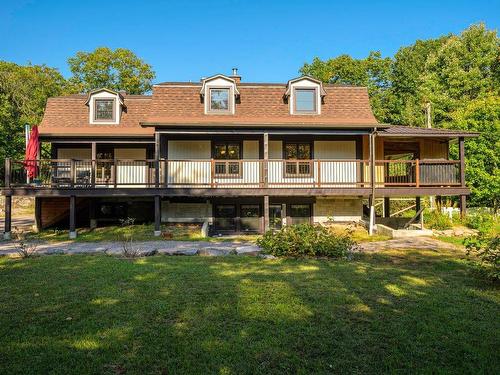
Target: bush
[481,221]
[307,240]
[484,253]
[437,220]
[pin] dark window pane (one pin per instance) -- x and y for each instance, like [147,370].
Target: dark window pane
[291,168]
[233,151]
[220,151]
[300,213]
[291,151]
[104,109]
[304,151]
[275,219]
[219,99]
[225,217]
[250,218]
[304,168]
[234,168]
[305,100]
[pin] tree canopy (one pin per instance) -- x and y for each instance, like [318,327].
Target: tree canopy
[458,74]
[120,69]
[23,93]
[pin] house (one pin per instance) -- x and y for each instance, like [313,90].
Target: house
[239,157]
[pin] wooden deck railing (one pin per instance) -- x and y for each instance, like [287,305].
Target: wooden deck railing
[210,173]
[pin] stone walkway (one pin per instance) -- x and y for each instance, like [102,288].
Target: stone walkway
[211,248]
[419,243]
[164,247]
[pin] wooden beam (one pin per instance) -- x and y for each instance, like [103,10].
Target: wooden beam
[461,151]
[157,231]
[266,213]
[8,217]
[387,207]
[463,206]
[418,205]
[7,172]
[72,217]
[236,192]
[38,214]
[266,160]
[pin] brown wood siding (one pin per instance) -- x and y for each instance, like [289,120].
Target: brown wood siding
[433,149]
[55,210]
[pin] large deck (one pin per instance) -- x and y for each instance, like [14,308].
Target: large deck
[230,177]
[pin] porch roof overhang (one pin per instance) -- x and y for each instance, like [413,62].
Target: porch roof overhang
[402,131]
[250,131]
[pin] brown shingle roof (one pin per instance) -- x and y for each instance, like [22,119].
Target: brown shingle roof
[264,104]
[68,115]
[179,103]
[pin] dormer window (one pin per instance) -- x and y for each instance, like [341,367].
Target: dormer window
[305,96]
[305,100]
[104,110]
[105,107]
[219,100]
[219,95]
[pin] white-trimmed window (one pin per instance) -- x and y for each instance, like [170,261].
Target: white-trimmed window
[104,109]
[219,100]
[305,100]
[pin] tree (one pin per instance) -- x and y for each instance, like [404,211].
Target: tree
[464,68]
[458,74]
[372,72]
[23,94]
[120,69]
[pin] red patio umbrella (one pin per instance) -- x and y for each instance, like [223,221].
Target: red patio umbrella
[32,153]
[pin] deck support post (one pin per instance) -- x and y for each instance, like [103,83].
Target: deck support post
[72,217]
[463,206]
[38,214]
[157,231]
[461,151]
[387,207]
[8,216]
[266,213]
[92,219]
[418,205]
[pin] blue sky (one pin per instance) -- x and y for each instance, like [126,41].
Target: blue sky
[266,40]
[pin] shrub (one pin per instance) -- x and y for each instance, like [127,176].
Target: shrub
[307,240]
[484,253]
[481,221]
[24,248]
[437,220]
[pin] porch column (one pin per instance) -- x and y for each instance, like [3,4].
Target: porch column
[371,201]
[157,159]
[387,207]
[72,217]
[93,164]
[266,159]
[8,212]
[157,216]
[266,213]
[461,150]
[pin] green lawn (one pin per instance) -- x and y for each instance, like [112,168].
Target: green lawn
[397,312]
[178,232]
